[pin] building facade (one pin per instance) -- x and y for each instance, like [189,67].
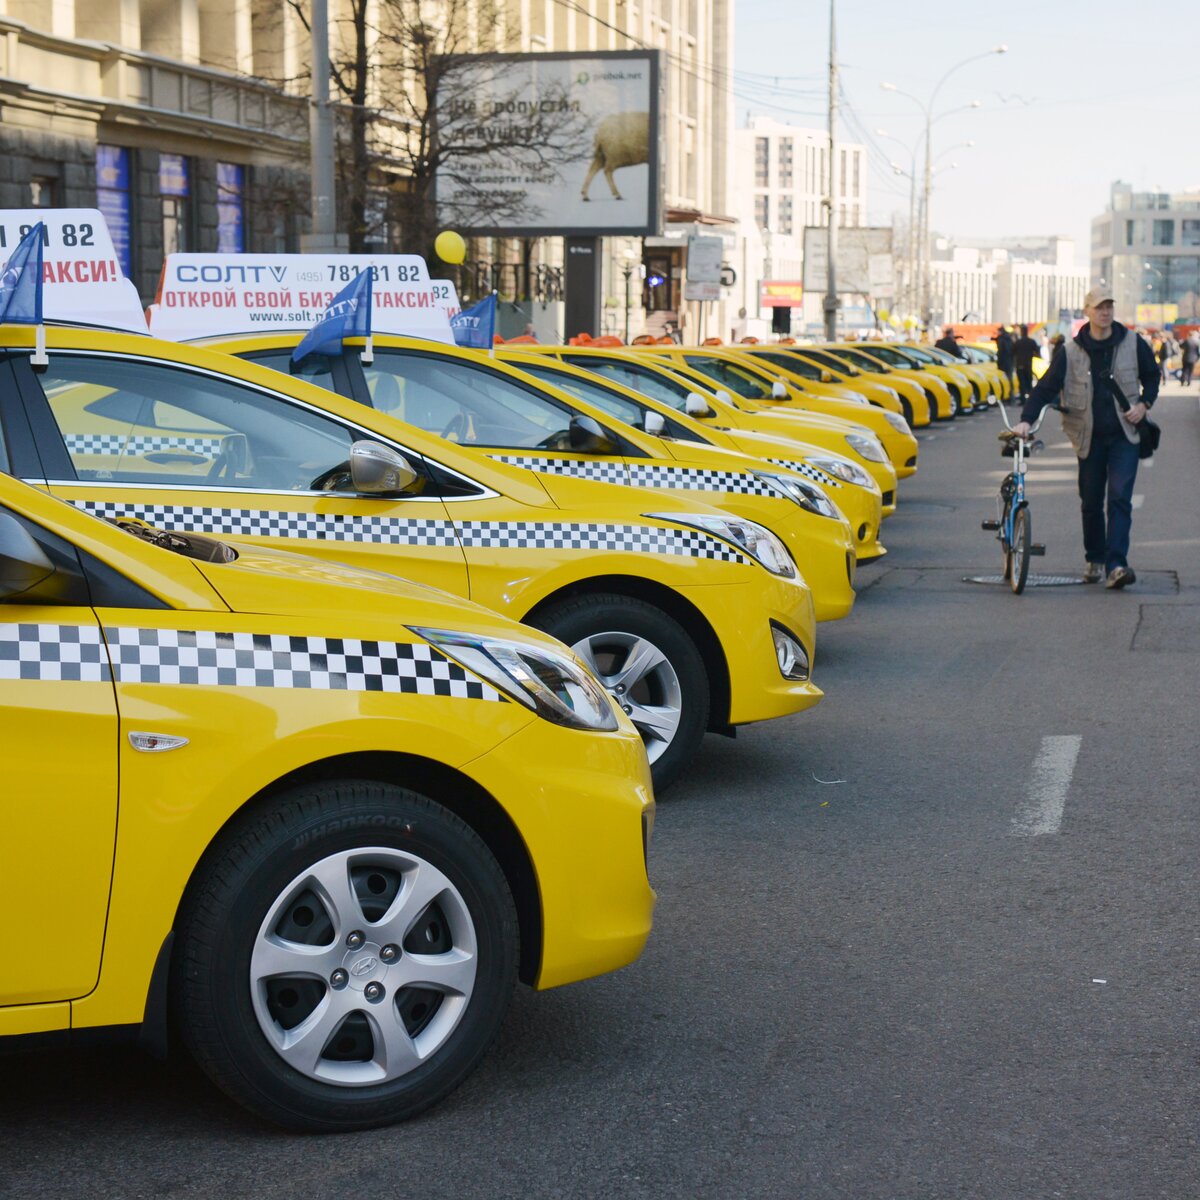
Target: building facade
[1146,246]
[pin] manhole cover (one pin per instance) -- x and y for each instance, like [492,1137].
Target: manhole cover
[1031,581]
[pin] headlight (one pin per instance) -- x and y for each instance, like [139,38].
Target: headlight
[854,397]
[808,495]
[896,421]
[789,654]
[895,395]
[555,685]
[843,469]
[866,447]
[760,543]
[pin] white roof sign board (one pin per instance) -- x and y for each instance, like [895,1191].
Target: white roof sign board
[224,295]
[447,295]
[82,281]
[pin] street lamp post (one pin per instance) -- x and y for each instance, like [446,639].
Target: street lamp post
[927,109]
[627,271]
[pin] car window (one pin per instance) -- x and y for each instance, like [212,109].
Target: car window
[464,403]
[790,362]
[741,383]
[649,383]
[833,362]
[318,368]
[117,426]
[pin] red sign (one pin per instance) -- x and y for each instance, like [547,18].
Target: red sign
[778,293]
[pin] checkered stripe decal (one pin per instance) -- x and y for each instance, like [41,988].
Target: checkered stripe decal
[809,472]
[116,443]
[605,472]
[71,653]
[689,479]
[251,523]
[639,539]
[180,656]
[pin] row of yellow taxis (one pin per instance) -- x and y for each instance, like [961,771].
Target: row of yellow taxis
[349,711]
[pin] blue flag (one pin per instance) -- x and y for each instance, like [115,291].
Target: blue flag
[348,315]
[21,281]
[475,326]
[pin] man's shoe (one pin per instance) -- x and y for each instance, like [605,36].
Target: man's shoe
[1120,577]
[1093,573]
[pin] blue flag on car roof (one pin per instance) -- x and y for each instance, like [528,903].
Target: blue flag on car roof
[21,280]
[348,315]
[475,326]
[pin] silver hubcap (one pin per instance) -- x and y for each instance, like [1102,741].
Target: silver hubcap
[363,966]
[642,681]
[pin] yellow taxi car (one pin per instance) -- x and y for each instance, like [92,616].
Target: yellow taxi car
[716,408]
[851,489]
[488,404]
[291,814]
[985,357]
[695,619]
[892,368]
[727,367]
[899,396]
[933,356]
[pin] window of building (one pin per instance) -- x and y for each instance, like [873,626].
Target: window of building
[762,162]
[231,208]
[785,162]
[1130,232]
[1189,233]
[43,192]
[857,168]
[843,174]
[174,187]
[112,199]
[785,214]
[1164,233]
[762,211]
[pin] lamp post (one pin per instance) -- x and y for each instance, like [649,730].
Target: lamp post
[927,108]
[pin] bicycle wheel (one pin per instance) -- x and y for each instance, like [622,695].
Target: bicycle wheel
[1005,547]
[1022,540]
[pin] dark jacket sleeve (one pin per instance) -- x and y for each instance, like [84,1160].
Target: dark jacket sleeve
[1148,373]
[1047,389]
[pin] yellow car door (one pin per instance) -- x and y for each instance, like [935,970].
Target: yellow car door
[58,743]
[276,491]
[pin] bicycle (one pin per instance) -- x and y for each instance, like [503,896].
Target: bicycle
[1014,525]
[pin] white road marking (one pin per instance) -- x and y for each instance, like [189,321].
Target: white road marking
[1046,796]
[1137,499]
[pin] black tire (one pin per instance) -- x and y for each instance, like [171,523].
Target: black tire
[603,629]
[906,411]
[1022,542]
[267,897]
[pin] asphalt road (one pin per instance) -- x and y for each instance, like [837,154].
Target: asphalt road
[936,938]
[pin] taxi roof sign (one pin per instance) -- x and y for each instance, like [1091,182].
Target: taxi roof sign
[82,280]
[224,295]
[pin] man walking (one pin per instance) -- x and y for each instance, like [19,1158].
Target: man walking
[1189,351]
[948,343]
[1104,357]
[1024,351]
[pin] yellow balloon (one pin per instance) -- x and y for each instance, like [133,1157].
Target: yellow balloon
[450,247]
[883,314]
[910,322]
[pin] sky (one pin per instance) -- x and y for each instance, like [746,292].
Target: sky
[1085,94]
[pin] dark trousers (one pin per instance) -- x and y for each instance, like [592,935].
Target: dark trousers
[1185,373]
[1110,466]
[1025,381]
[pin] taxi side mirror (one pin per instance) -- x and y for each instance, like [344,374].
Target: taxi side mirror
[779,390]
[378,470]
[653,423]
[826,376]
[23,563]
[588,437]
[723,396]
[697,406]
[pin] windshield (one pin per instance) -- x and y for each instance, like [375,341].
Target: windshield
[921,354]
[741,383]
[790,362]
[866,362]
[655,384]
[835,364]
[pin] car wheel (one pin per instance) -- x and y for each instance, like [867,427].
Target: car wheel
[649,665]
[906,411]
[344,957]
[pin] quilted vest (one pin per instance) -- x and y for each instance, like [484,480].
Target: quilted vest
[1076,399]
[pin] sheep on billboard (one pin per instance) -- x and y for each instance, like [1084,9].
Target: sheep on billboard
[535,145]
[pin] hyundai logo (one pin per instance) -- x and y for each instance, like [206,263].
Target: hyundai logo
[364,966]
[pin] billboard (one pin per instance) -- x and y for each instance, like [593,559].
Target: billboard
[864,259]
[780,293]
[545,145]
[703,268]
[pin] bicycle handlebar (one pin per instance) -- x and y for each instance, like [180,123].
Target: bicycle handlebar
[1035,426]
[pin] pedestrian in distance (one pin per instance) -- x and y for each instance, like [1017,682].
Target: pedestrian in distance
[1004,358]
[948,342]
[1024,351]
[1189,352]
[1057,342]
[1103,363]
[1164,355]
